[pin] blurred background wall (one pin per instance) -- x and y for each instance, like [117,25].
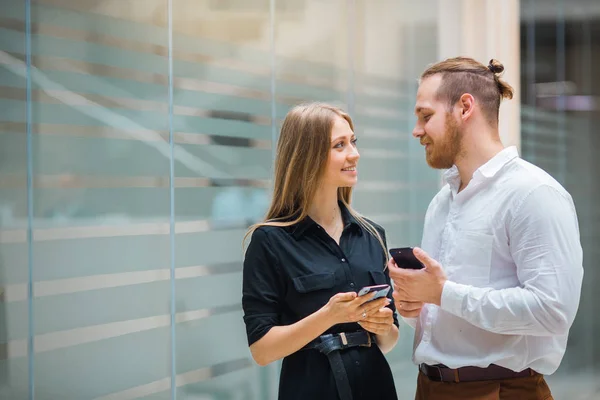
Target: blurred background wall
[136,145]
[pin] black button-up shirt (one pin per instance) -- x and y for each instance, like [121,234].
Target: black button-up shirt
[290,273]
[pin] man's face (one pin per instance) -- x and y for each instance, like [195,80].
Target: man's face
[436,127]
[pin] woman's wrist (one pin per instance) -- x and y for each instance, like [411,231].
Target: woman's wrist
[325,315]
[387,341]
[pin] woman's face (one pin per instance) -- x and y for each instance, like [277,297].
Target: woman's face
[341,169]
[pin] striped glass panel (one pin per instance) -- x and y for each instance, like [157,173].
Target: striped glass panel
[14,276]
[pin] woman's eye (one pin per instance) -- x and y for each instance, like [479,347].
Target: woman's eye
[339,145]
[354,141]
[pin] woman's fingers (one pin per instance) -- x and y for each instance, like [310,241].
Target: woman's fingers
[378,319]
[360,300]
[374,327]
[374,306]
[348,296]
[382,316]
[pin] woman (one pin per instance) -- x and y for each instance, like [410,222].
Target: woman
[305,264]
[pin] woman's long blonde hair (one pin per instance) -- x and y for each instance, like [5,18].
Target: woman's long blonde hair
[302,153]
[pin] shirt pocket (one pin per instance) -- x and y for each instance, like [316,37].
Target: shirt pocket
[313,282]
[472,259]
[310,292]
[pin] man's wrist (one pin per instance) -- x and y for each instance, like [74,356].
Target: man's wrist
[440,290]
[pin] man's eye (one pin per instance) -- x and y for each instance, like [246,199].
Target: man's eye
[427,118]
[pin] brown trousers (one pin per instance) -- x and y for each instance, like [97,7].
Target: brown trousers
[528,388]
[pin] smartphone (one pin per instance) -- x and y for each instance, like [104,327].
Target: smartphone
[382,291]
[405,258]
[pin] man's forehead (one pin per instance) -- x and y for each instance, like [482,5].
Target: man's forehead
[426,94]
[429,86]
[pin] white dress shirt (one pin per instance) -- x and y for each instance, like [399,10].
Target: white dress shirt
[509,243]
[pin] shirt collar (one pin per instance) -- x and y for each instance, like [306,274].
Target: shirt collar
[491,168]
[301,228]
[487,170]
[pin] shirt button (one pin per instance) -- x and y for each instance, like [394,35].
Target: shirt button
[357,363]
[352,284]
[343,260]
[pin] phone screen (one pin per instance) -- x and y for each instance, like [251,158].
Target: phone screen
[382,291]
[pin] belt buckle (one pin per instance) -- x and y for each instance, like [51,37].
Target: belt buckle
[426,368]
[439,371]
[344,339]
[369,342]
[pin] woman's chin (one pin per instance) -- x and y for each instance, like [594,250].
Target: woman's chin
[349,183]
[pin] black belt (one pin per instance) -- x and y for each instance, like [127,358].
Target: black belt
[329,344]
[441,373]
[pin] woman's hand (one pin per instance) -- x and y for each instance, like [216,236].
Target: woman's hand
[348,307]
[380,322]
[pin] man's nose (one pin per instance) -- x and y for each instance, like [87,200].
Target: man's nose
[418,132]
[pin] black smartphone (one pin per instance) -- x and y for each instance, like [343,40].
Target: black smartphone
[405,258]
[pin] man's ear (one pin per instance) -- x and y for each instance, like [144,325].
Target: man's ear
[466,106]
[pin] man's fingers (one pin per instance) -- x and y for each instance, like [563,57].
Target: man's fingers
[409,305]
[392,264]
[397,273]
[410,314]
[400,275]
[400,295]
[423,257]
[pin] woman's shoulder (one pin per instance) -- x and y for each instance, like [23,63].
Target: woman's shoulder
[265,232]
[375,225]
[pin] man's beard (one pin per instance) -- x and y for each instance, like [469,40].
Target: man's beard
[442,154]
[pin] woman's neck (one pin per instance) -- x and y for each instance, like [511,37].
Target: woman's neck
[324,208]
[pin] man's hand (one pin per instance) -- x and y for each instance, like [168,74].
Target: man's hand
[407,309]
[412,287]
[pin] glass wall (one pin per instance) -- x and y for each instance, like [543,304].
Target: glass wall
[14,255]
[136,146]
[560,43]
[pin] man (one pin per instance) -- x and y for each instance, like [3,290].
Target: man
[502,274]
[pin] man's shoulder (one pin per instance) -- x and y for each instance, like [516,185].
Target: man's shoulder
[524,177]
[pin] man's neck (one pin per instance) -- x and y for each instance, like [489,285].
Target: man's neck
[474,156]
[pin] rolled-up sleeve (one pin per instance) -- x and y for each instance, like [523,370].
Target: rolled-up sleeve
[261,288]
